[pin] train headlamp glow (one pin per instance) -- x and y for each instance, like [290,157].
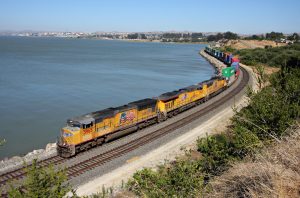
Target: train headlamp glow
[67,134]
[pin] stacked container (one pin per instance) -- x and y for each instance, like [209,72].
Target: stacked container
[221,55]
[228,72]
[235,65]
[235,59]
[231,72]
[237,73]
[230,61]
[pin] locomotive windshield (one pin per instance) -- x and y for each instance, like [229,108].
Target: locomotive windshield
[71,123]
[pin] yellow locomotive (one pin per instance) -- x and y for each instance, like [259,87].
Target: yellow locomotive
[96,128]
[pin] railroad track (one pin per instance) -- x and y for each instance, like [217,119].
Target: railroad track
[21,172]
[98,160]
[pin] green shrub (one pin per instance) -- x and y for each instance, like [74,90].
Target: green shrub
[180,179]
[244,142]
[267,115]
[216,151]
[42,182]
[275,57]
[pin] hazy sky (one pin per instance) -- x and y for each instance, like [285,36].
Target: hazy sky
[242,16]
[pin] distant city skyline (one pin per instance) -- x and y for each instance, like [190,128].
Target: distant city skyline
[243,17]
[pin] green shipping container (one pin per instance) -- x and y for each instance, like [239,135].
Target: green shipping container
[227,72]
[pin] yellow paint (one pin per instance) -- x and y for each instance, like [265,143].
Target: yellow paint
[71,137]
[217,85]
[161,106]
[104,127]
[132,159]
[145,114]
[184,98]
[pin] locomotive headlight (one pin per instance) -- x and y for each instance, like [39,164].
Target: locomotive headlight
[66,134]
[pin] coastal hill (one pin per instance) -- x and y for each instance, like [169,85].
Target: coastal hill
[252,44]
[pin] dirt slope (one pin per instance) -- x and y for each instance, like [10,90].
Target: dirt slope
[251,44]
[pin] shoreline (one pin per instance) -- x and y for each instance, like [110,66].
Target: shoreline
[17,161]
[217,64]
[141,41]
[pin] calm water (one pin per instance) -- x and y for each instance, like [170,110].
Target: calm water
[44,81]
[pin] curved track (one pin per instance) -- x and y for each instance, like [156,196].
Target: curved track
[98,160]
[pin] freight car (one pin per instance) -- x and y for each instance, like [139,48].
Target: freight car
[96,128]
[228,58]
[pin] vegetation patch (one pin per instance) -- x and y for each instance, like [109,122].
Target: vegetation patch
[272,56]
[273,172]
[42,182]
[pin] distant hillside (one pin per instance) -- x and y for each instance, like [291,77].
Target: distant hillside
[270,56]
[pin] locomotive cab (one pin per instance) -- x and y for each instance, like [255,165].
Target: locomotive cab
[66,142]
[70,131]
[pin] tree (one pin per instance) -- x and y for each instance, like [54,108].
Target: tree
[274,35]
[171,35]
[42,183]
[230,35]
[143,36]
[293,37]
[133,36]
[197,35]
[219,36]
[215,37]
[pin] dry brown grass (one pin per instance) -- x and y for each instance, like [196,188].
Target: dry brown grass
[275,172]
[124,194]
[251,44]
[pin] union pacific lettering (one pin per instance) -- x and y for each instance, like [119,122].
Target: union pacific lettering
[87,131]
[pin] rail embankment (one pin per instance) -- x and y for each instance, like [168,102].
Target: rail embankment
[219,65]
[18,161]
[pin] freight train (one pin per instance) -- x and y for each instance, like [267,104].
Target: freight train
[228,58]
[84,132]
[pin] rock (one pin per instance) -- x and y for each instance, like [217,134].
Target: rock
[50,147]
[16,158]
[17,161]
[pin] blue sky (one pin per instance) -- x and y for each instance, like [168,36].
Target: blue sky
[248,16]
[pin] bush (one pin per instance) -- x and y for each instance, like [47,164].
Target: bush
[180,179]
[216,151]
[275,57]
[267,116]
[244,142]
[42,182]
